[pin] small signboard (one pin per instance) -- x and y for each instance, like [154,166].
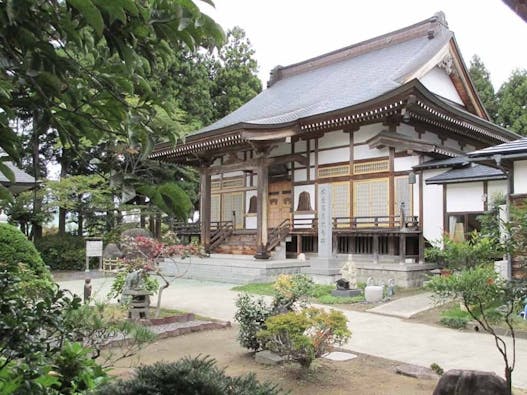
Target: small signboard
[325,225]
[93,249]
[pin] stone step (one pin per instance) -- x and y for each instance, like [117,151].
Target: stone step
[169,327]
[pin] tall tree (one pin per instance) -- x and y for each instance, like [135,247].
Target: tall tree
[234,74]
[512,96]
[71,65]
[481,78]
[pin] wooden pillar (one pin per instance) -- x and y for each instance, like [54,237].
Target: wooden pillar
[298,244]
[261,211]
[204,209]
[421,219]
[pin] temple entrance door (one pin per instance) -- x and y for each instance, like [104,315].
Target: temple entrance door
[279,203]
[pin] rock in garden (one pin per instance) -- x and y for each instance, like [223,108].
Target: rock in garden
[267,357]
[112,251]
[470,382]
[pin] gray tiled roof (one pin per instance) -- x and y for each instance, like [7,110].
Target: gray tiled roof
[20,176]
[354,79]
[514,147]
[438,163]
[468,173]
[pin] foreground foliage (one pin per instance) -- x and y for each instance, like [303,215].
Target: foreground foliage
[188,376]
[15,248]
[48,339]
[489,300]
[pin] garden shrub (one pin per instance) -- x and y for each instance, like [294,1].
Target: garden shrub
[188,376]
[251,315]
[16,249]
[454,322]
[62,252]
[291,289]
[304,335]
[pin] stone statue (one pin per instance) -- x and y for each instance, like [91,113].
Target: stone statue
[87,290]
[390,291]
[349,273]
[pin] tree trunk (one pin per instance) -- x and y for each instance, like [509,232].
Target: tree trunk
[65,161]
[37,201]
[158,226]
[80,228]
[141,201]
[508,379]
[152,225]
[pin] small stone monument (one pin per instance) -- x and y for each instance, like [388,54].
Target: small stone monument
[373,293]
[347,285]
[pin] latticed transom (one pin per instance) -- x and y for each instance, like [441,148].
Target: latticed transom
[334,171]
[371,167]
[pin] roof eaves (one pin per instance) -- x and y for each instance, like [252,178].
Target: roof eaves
[465,179]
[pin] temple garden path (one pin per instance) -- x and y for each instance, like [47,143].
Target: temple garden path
[373,334]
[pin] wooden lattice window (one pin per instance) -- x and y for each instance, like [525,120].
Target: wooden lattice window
[371,198]
[403,194]
[215,184]
[377,166]
[340,199]
[233,183]
[215,213]
[333,171]
[232,203]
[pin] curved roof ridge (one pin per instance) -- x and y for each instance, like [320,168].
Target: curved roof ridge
[429,27]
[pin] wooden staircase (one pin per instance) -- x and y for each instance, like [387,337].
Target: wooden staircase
[244,243]
[238,244]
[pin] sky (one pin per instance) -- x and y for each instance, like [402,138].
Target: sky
[283,32]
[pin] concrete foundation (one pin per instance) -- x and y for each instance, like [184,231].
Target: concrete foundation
[404,275]
[236,269]
[241,269]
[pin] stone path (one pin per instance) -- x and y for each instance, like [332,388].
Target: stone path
[406,307]
[374,334]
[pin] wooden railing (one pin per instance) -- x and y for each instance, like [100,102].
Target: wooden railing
[186,228]
[382,221]
[278,234]
[303,224]
[221,231]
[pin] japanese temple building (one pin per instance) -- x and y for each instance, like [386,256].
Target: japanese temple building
[379,123]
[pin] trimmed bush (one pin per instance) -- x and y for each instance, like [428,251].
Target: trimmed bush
[251,315]
[16,249]
[62,252]
[188,376]
[304,335]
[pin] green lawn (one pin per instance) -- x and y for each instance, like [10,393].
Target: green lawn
[320,293]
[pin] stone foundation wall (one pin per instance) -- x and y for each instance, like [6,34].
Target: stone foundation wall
[406,275]
[241,270]
[234,269]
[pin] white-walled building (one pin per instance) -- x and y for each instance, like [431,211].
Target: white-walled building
[379,122]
